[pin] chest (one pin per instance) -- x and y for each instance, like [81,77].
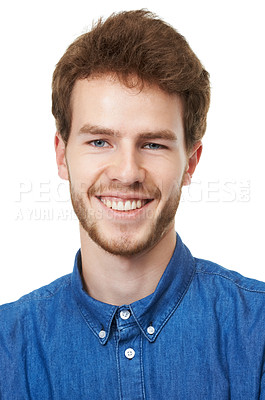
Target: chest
[191,358]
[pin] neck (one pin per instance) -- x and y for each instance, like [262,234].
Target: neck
[120,280]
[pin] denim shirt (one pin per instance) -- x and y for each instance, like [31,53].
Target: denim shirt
[200,335]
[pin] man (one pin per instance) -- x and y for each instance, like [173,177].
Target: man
[139,317]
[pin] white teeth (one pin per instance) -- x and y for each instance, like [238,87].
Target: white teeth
[114,206]
[133,205]
[121,206]
[127,205]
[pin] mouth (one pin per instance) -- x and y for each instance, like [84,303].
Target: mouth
[123,205]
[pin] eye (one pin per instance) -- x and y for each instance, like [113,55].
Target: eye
[154,146]
[98,143]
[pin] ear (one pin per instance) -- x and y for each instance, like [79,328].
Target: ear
[60,156]
[192,162]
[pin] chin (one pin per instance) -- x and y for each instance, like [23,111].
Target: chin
[123,243]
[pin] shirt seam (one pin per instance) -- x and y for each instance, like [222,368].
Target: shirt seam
[230,279]
[117,340]
[142,367]
[32,298]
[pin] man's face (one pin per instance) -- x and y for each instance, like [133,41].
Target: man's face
[126,163]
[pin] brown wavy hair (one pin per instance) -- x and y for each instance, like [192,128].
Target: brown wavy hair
[135,43]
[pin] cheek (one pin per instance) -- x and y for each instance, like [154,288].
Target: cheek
[79,179]
[87,166]
[79,167]
[172,187]
[169,180]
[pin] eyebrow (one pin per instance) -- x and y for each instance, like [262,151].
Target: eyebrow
[165,134]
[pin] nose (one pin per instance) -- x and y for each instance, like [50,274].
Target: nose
[126,166]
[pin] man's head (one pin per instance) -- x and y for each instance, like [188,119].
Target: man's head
[135,43]
[130,100]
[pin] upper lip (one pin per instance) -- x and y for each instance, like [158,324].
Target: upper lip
[127,196]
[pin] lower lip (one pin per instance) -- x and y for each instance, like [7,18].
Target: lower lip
[125,215]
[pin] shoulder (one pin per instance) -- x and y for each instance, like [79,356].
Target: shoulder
[38,296]
[212,272]
[236,301]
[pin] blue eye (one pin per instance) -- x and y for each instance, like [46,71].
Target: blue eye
[98,143]
[154,146]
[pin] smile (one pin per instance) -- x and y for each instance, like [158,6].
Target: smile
[124,204]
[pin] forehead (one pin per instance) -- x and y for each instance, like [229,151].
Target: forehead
[106,102]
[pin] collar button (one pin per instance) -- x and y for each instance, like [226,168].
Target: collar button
[150,330]
[102,334]
[125,314]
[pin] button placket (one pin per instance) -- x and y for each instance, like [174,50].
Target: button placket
[129,352]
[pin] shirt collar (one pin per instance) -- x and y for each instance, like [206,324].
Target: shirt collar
[154,310]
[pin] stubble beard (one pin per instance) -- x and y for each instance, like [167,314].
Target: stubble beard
[126,245]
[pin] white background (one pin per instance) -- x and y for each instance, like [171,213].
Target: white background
[221,217]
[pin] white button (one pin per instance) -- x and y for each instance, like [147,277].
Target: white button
[102,334]
[151,330]
[125,314]
[129,353]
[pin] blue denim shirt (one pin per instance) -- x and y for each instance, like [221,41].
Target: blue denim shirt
[200,335]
